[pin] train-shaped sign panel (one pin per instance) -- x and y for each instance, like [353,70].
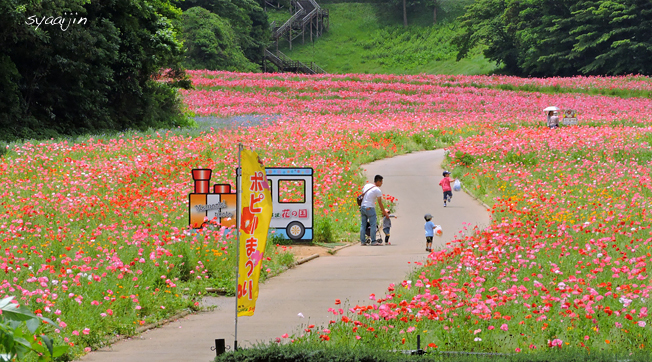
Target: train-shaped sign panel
[292,199]
[570,118]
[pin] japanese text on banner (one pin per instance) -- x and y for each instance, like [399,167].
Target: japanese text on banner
[255,216]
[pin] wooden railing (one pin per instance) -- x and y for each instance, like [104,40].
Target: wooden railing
[272,5]
[283,57]
[299,19]
[308,14]
[317,69]
[285,64]
[273,58]
[287,26]
[312,14]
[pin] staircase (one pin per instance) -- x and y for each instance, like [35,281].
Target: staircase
[308,18]
[281,31]
[285,64]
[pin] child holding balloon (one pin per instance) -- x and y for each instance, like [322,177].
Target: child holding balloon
[445,184]
[431,231]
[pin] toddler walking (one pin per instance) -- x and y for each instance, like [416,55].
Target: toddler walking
[430,231]
[387,224]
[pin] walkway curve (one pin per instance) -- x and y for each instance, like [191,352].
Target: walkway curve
[311,289]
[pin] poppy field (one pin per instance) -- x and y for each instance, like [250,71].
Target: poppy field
[95,231]
[564,264]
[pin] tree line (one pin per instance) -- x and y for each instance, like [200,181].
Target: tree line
[561,37]
[74,66]
[546,37]
[78,66]
[224,34]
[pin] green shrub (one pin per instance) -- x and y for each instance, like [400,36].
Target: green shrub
[425,140]
[464,158]
[448,139]
[323,230]
[275,239]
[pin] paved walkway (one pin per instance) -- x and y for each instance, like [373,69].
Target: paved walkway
[310,289]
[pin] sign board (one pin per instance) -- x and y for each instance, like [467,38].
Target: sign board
[220,205]
[292,194]
[292,200]
[570,118]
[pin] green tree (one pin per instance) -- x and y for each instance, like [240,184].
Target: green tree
[146,42]
[613,37]
[541,31]
[451,8]
[485,24]
[211,43]
[246,17]
[411,9]
[94,75]
[561,37]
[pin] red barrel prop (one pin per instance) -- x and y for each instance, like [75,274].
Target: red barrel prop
[202,177]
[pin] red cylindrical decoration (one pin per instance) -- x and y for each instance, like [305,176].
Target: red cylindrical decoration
[202,177]
[222,188]
[201,174]
[202,187]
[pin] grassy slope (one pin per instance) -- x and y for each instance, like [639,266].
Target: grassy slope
[280,16]
[361,40]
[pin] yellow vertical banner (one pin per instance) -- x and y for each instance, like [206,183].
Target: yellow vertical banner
[255,216]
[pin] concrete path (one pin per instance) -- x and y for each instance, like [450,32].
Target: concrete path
[311,289]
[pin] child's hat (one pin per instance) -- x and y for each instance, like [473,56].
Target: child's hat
[427,216]
[446,173]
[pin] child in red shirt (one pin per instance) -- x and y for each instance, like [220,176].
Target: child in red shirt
[445,184]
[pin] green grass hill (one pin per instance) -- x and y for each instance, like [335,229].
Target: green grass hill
[367,38]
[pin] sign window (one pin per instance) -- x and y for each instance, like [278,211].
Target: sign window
[291,191]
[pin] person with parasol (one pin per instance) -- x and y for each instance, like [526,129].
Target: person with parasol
[553,117]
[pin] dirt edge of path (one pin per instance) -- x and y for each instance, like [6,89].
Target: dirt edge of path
[301,251]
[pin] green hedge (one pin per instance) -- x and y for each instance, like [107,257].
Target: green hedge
[302,353]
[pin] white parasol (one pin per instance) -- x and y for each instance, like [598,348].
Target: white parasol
[551,108]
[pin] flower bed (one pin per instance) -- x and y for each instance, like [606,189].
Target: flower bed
[95,231]
[563,265]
